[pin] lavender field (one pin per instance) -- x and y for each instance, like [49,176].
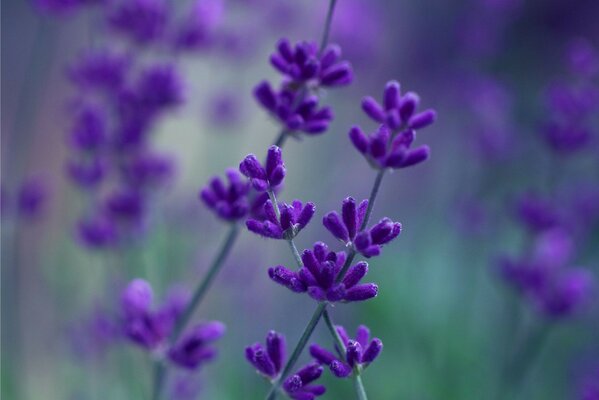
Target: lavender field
[319,199]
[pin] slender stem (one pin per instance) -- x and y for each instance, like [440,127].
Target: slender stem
[517,368]
[282,138]
[275,203]
[296,255]
[360,391]
[207,281]
[338,341]
[159,375]
[372,198]
[272,394]
[327,25]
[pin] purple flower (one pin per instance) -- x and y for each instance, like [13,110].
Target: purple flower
[31,197]
[148,170]
[89,129]
[359,353]
[142,324]
[228,202]
[348,228]
[142,21]
[196,30]
[566,139]
[159,87]
[100,69]
[565,293]
[398,111]
[294,217]
[582,58]
[194,348]
[98,232]
[126,205]
[303,64]
[268,177]
[384,149]
[536,213]
[87,173]
[319,276]
[269,361]
[294,110]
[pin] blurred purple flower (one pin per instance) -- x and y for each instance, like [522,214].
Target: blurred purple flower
[97,232]
[196,30]
[294,112]
[32,197]
[194,347]
[142,21]
[227,202]
[100,69]
[88,173]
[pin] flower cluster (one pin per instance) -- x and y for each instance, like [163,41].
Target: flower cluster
[269,362]
[358,352]
[151,328]
[390,145]
[294,217]
[29,200]
[319,277]
[116,109]
[546,278]
[348,228]
[572,105]
[305,69]
[266,177]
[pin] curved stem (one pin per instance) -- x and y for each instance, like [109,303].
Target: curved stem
[272,393]
[203,287]
[360,391]
[327,25]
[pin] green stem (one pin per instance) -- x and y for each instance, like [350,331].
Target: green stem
[205,284]
[359,386]
[518,367]
[272,394]
[327,25]
[282,138]
[159,375]
[360,391]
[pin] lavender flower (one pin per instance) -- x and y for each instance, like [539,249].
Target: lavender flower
[196,31]
[32,197]
[398,111]
[98,232]
[303,64]
[148,170]
[536,213]
[319,277]
[100,69]
[89,129]
[141,21]
[347,227]
[194,348]
[546,279]
[268,177]
[359,353]
[294,218]
[383,150]
[269,362]
[87,174]
[295,111]
[230,202]
[126,205]
[144,326]
[159,87]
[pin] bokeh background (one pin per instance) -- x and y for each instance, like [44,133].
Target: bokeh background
[447,318]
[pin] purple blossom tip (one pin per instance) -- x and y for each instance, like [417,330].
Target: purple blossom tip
[372,351]
[362,292]
[137,297]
